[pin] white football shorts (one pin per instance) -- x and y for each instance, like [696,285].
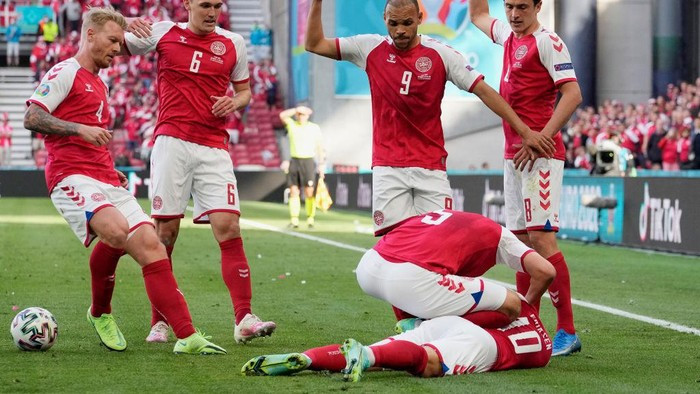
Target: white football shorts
[462,346]
[532,197]
[424,293]
[401,192]
[180,169]
[78,197]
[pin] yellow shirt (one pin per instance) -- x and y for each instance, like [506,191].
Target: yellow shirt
[303,139]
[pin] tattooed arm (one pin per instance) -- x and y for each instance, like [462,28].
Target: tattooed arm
[37,119]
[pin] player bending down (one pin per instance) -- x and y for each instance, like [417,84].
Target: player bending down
[70,106]
[443,346]
[429,266]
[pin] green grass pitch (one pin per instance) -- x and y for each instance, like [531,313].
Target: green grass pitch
[309,289]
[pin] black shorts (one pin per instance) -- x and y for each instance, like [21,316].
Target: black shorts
[302,173]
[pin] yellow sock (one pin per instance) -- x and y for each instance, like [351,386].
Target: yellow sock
[294,209]
[310,208]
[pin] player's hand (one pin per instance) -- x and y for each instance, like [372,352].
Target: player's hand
[94,135]
[524,157]
[123,180]
[540,143]
[223,105]
[141,28]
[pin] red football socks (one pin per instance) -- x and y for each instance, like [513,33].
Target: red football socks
[103,265]
[165,296]
[560,293]
[401,356]
[400,315]
[155,315]
[326,358]
[236,273]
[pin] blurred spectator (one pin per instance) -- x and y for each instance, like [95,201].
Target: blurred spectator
[13,33]
[5,140]
[157,13]
[684,149]
[73,12]
[669,150]
[261,42]
[581,158]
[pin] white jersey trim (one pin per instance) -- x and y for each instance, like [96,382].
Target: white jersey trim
[240,73]
[554,56]
[142,46]
[56,85]
[458,70]
[356,49]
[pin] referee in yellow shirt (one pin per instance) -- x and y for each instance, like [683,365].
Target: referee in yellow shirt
[304,145]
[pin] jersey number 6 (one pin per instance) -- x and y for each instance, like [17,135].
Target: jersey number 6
[194,66]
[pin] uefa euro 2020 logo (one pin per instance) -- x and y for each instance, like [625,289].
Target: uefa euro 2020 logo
[445,18]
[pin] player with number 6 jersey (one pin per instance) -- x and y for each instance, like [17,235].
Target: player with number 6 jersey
[407,76]
[429,266]
[197,61]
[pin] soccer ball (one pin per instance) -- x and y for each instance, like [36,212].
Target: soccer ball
[34,329]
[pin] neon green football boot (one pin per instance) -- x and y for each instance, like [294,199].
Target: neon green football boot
[197,343]
[107,330]
[276,364]
[356,361]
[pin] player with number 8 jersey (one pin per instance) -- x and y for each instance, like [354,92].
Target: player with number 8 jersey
[197,61]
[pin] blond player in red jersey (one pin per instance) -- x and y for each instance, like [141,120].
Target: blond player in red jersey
[196,63]
[70,107]
[443,346]
[407,75]
[536,66]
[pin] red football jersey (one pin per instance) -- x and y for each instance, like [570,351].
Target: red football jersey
[534,66]
[451,242]
[191,69]
[524,343]
[74,94]
[407,89]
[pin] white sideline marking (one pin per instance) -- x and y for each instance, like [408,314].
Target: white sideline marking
[602,308]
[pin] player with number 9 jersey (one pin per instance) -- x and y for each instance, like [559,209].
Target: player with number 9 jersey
[407,76]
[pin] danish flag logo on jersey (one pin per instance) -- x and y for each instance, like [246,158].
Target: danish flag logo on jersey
[521,52]
[424,64]
[218,48]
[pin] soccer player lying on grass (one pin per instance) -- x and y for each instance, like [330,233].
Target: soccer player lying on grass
[70,108]
[428,266]
[447,345]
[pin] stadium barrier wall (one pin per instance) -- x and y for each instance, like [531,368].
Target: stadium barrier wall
[649,215]
[257,186]
[652,212]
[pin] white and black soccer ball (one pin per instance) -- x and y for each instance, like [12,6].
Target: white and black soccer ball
[34,329]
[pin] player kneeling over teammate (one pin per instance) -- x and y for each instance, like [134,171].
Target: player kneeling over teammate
[70,108]
[447,345]
[429,266]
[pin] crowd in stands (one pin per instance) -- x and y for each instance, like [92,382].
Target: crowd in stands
[663,133]
[133,84]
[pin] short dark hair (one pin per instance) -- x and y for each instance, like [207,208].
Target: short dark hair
[403,2]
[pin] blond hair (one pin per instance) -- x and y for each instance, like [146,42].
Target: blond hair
[97,17]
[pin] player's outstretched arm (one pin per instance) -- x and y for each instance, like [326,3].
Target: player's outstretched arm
[542,144]
[38,120]
[479,15]
[316,42]
[542,274]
